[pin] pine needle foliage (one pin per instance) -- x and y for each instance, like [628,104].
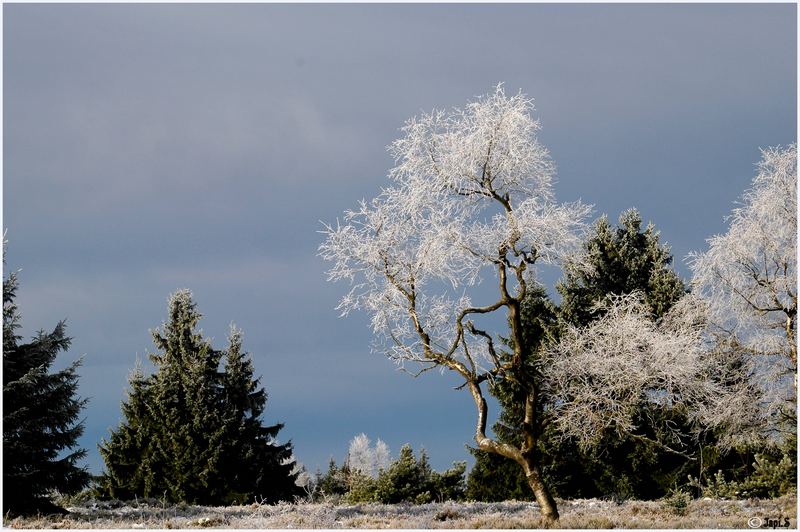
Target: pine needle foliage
[41,412]
[623,259]
[192,431]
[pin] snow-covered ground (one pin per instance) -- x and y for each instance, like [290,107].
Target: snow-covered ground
[591,513]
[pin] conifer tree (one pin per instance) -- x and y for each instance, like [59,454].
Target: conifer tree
[494,478]
[622,260]
[40,416]
[333,484]
[127,457]
[260,466]
[192,433]
[411,479]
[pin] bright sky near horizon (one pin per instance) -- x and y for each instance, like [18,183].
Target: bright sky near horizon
[155,147]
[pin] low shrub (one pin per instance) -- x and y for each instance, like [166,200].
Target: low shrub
[408,479]
[677,502]
[774,473]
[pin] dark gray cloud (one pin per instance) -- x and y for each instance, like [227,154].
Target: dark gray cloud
[153,147]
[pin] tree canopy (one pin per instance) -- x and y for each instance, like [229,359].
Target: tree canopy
[622,260]
[748,278]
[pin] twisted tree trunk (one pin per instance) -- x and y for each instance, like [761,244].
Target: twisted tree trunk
[546,502]
[525,457]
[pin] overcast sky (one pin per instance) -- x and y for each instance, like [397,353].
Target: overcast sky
[155,147]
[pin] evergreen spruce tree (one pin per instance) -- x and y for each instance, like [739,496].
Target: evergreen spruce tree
[191,432]
[127,457]
[260,467]
[624,259]
[40,416]
[185,390]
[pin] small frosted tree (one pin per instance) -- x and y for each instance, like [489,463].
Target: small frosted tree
[360,456]
[599,376]
[471,198]
[363,458]
[748,276]
[383,457]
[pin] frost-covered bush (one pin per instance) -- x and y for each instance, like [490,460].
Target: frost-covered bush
[599,376]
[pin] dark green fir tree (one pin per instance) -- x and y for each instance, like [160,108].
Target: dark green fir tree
[261,467]
[495,478]
[623,259]
[40,416]
[191,431]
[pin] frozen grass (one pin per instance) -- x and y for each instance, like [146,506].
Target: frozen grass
[574,514]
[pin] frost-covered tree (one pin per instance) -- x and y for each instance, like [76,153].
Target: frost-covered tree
[748,276]
[362,457]
[192,432]
[383,456]
[471,199]
[41,410]
[599,376]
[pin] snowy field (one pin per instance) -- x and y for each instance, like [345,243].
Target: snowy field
[574,514]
